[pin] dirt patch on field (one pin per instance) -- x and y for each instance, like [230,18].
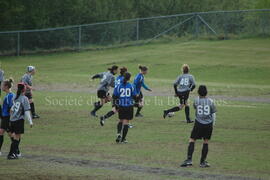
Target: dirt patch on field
[134,168]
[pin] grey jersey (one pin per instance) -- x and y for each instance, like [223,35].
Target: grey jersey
[27,79]
[20,105]
[184,82]
[1,75]
[107,81]
[205,108]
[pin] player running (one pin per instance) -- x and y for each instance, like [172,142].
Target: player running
[138,84]
[123,96]
[19,111]
[107,81]
[203,127]
[114,110]
[7,104]
[27,80]
[183,85]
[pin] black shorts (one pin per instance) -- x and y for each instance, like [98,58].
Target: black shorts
[5,123]
[200,131]
[125,112]
[183,96]
[17,127]
[29,95]
[139,98]
[102,94]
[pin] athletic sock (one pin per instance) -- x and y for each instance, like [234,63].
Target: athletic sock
[97,106]
[187,113]
[138,110]
[174,109]
[12,148]
[18,149]
[16,146]
[109,114]
[190,150]
[119,127]
[125,131]
[1,141]
[204,152]
[32,106]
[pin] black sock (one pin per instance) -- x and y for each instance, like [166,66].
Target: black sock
[139,110]
[109,114]
[119,127]
[32,106]
[1,141]
[16,146]
[190,150]
[18,149]
[13,147]
[187,113]
[174,109]
[125,131]
[11,139]
[97,106]
[204,152]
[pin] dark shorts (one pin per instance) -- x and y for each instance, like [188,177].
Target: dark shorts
[138,99]
[183,96]
[201,131]
[5,123]
[29,95]
[125,112]
[102,94]
[17,127]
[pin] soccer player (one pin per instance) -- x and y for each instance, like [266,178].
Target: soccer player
[203,127]
[1,79]
[27,80]
[7,104]
[138,83]
[123,96]
[107,81]
[118,81]
[183,85]
[19,111]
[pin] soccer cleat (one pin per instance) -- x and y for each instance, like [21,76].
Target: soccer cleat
[204,164]
[165,113]
[35,116]
[139,115]
[186,163]
[93,113]
[190,121]
[118,139]
[11,157]
[124,141]
[130,126]
[19,154]
[102,120]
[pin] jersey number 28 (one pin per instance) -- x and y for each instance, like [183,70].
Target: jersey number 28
[125,92]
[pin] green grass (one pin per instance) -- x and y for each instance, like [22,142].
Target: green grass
[240,144]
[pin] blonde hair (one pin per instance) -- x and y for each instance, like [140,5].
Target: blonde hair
[185,68]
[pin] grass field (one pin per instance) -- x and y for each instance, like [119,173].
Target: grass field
[67,144]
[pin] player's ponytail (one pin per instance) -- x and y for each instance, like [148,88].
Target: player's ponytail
[123,70]
[143,68]
[20,90]
[8,83]
[127,76]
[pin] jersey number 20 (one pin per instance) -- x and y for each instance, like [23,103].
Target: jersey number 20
[125,92]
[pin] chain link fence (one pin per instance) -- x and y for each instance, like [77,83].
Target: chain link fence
[215,24]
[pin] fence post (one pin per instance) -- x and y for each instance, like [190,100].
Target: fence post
[80,37]
[196,26]
[18,43]
[137,32]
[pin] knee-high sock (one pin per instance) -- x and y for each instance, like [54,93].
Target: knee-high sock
[174,109]
[98,105]
[16,146]
[13,147]
[138,110]
[187,113]
[32,106]
[1,141]
[18,149]
[190,150]
[119,127]
[109,114]
[125,131]
[204,152]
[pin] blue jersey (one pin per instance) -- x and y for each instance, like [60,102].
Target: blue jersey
[125,93]
[119,80]
[139,83]
[7,104]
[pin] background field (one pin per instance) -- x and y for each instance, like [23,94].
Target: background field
[67,144]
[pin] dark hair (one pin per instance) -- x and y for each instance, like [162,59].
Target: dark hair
[127,76]
[114,67]
[8,83]
[202,91]
[123,70]
[143,68]
[185,68]
[20,89]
